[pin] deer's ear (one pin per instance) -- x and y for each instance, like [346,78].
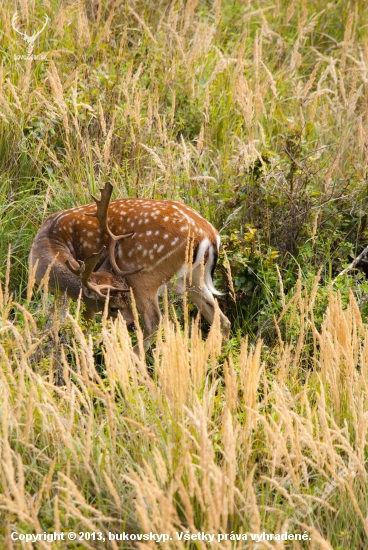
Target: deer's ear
[89,294]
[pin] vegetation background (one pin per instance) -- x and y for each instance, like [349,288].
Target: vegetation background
[255,114]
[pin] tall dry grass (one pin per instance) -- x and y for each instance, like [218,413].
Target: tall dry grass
[248,444]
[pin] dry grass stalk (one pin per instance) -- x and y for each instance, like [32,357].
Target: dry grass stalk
[142,23]
[57,90]
[229,276]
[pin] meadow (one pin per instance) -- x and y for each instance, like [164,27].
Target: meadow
[254,114]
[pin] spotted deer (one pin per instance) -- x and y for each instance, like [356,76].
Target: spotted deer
[110,247]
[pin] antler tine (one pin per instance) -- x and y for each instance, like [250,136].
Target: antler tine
[90,264]
[101,214]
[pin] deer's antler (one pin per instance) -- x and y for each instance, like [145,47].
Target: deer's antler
[101,215]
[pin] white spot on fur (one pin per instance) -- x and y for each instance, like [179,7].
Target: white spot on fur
[160,248]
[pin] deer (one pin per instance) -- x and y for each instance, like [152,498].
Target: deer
[107,249]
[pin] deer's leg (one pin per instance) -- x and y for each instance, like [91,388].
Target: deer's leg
[151,315]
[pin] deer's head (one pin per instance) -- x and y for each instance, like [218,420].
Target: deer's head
[108,282]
